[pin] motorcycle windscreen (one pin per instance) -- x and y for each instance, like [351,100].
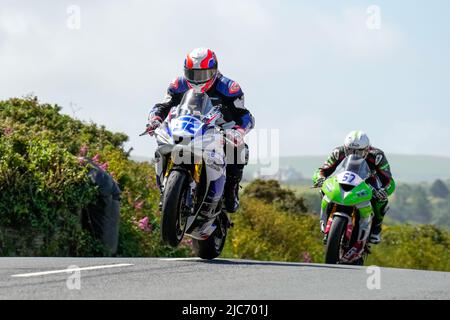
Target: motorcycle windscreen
[194,104]
[352,170]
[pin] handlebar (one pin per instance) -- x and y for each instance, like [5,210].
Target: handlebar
[221,130]
[146,133]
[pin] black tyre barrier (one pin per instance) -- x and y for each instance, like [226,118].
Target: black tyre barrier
[102,217]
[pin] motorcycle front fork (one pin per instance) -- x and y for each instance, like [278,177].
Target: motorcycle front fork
[323,215]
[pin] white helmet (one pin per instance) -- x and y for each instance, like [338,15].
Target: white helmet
[358,143]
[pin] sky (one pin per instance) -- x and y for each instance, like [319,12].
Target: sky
[310,70]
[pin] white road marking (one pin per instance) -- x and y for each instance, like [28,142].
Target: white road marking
[43,273]
[178,259]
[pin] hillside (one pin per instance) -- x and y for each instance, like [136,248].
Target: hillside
[406,168]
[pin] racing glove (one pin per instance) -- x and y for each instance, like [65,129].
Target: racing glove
[319,182]
[153,124]
[380,194]
[235,135]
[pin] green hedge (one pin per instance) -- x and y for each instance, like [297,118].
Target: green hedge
[417,247]
[42,191]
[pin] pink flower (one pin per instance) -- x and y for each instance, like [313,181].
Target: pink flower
[104,166]
[81,160]
[139,204]
[7,131]
[144,225]
[186,241]
[83,151]
[306,257]
[96,158]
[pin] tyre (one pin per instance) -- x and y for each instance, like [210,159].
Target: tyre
[101,217]
[333,250]
[212,247]
[174,217]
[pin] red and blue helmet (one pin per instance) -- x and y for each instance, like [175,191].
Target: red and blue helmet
[200,69]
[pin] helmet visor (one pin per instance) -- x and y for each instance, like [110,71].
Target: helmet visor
[198,76]
[357,152]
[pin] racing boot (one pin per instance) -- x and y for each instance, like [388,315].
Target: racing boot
[375,234]
[381,207]
[231,193]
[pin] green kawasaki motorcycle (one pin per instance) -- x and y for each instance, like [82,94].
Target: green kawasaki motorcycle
[346,212]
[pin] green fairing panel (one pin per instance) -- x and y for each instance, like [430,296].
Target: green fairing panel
[359,194]
[365,212]
[324,204]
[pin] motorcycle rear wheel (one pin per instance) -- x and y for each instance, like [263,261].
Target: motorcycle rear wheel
[212,247]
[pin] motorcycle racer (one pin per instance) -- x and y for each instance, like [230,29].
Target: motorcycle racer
[201,74]
[358,143]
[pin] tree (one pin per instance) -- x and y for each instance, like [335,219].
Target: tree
[421,206]
[439,189]
[271,192]
[401,209]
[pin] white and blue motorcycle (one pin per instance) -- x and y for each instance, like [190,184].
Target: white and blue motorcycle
[190,172]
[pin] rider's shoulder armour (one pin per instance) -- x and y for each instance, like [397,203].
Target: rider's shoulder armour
[339,153]
[228,87]
[178,85]
[376,156]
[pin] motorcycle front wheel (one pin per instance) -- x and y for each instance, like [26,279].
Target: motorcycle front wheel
[174,211]
[333,251]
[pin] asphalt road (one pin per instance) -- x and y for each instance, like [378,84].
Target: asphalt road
[156,278]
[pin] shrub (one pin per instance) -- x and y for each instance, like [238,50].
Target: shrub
[270,191]
[439,189]
[42,192]
[261,232]
[417,247]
